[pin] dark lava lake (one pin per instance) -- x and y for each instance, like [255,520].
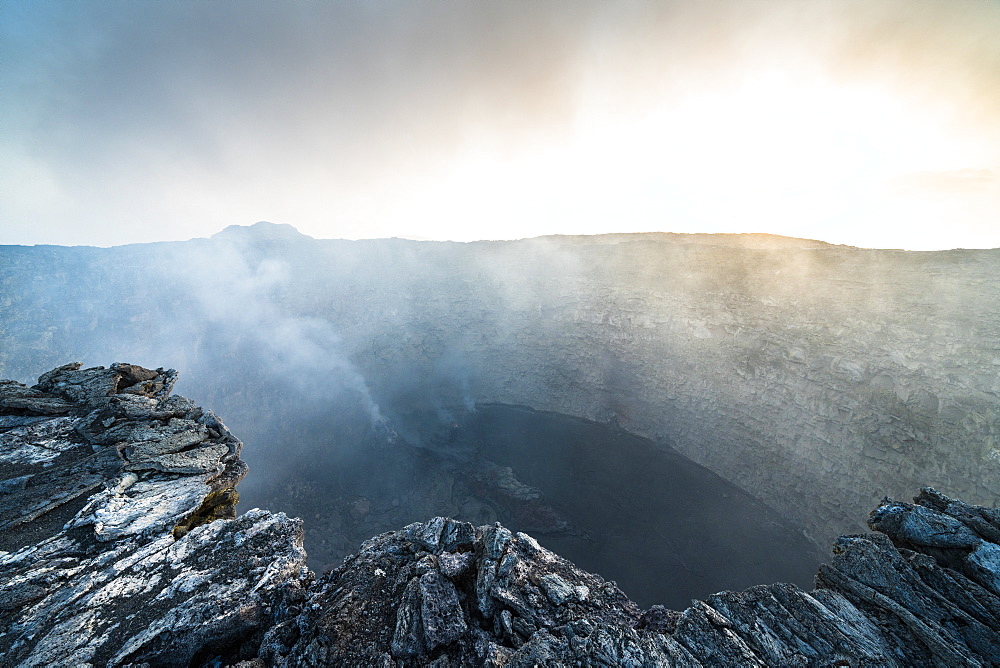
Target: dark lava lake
[665,529]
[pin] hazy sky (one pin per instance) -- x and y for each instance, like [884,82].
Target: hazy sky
[872,123]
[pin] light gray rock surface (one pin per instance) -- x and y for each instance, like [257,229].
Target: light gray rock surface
[119,543]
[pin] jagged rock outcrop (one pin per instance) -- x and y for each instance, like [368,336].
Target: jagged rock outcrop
[121,547]
[111,555]
[444,593]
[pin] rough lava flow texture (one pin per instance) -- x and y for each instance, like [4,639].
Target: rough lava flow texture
[120,547]
[110,552]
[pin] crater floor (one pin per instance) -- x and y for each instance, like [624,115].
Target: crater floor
[611,502]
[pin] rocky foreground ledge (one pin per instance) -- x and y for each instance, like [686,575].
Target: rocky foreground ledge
[119,545]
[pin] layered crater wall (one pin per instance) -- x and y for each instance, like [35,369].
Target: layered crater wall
[828,374]
[816,377]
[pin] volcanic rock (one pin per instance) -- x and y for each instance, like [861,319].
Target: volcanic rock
[399,602]
[112,552]
[116,551]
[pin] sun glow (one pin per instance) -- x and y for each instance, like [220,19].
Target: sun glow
[873,124]
[773,154]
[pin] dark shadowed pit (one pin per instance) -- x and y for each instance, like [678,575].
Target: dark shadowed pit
[664,528]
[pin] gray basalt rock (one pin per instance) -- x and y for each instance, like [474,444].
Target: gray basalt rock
[379,600]
[119,538]
[402,600]
[120,546]
[16,397]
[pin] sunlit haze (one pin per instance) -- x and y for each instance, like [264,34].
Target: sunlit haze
[872,124]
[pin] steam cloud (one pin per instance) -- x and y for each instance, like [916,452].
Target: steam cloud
[239,296]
